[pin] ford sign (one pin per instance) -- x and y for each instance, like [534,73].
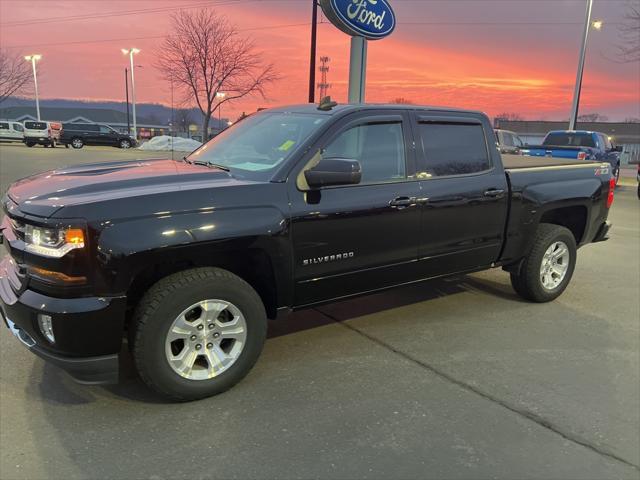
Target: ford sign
[371,19]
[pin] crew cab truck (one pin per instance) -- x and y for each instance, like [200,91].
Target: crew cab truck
[186,260]
[579,145]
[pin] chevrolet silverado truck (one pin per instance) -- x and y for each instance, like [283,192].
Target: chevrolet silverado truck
[186,260]
[578,145]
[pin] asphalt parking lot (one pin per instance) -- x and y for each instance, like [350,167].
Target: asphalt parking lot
[455,378]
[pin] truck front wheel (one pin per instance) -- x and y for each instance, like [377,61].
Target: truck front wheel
[547,270]
[197,333]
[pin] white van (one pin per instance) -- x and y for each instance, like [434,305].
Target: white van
[11,131]
[41,133]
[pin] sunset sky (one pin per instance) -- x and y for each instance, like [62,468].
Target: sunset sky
[499,55]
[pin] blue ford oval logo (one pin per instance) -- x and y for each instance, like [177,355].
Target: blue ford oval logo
[372,19]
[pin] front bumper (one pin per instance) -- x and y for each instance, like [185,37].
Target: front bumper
[88,330]
[88,370]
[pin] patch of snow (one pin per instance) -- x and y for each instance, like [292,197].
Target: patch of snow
[163,143]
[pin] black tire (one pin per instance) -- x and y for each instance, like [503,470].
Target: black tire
[66,145]
[77,143]
[527,282]
[29,144]
[125,144]
[164,302]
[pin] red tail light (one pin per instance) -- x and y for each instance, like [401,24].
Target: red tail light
[612,186]
[582,155]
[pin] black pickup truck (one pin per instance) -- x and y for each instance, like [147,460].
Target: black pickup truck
[186,260]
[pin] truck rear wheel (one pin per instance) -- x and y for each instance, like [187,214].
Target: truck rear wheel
[547,270]
[197,333]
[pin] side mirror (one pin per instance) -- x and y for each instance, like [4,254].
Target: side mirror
[334,171]
[617,148]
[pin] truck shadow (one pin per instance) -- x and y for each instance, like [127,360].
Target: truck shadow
[56,388]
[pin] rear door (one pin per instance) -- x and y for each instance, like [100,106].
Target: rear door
[358,238]
[91,135]
[464,193]
[108,136]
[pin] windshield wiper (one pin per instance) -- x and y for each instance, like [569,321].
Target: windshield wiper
[209,164]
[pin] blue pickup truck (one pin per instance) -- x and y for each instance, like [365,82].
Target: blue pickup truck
[578,144]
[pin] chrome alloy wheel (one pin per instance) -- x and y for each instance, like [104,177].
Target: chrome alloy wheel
[555,264]
[206,339]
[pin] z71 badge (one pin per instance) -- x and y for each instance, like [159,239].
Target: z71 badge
[327,258]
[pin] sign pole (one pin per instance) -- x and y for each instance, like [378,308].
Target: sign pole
[357,70]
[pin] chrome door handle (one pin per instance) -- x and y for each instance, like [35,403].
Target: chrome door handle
[402,202]
[494,193]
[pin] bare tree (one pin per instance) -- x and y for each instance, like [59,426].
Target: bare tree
[183,119]
[509,116]
[629,30]
[15,75]
[211,63]
[592,117]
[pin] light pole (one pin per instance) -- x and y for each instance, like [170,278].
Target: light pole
[131,52]
[33,59]
[583,52]
[221,96]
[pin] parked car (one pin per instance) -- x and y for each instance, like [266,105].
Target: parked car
[508,142]
[11,131]
[41,133]
[287,209]
[580,145]
[80,134]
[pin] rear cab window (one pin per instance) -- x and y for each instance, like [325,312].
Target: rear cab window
[451,148]
[569,139]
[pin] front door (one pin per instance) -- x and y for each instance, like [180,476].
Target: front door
[357,238]
[465,193]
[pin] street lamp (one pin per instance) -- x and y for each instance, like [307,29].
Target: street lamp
[597,25]
[33,59]
[221,96]
[131,52]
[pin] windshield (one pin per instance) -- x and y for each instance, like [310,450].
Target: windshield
[563,139]
[258,144]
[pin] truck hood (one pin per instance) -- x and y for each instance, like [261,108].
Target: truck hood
[45,193]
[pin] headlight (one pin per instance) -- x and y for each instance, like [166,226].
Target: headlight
[51,242]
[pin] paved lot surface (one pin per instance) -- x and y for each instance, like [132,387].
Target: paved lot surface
[455,378]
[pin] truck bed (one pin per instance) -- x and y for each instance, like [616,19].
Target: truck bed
[514,162]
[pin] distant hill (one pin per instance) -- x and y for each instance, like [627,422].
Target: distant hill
[157,113]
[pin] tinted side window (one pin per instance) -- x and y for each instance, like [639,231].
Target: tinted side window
[4,126]
[91,128]
[508,139]
[18,128]
[35,125]
[104,129]
[454,149]
[517,141]
[379,147]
